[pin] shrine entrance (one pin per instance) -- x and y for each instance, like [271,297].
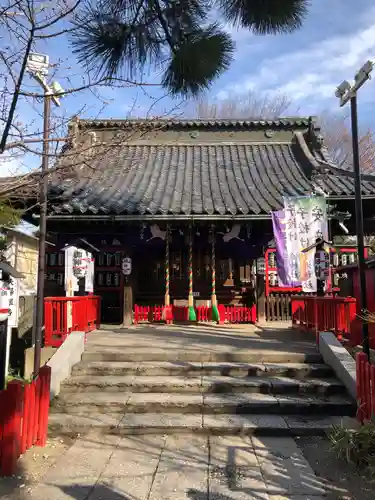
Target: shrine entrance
[196,266]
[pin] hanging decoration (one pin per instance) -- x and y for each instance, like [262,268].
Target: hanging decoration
[232,234]
[191,311]
[142,232]
[167,266]
[215,311]
[156,233]
[167,312]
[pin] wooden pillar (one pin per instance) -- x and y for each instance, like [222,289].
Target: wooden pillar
[215,311]
[128,304]
[128,299]
[191,311]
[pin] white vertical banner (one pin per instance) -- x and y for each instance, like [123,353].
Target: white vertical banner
[89,278]
[306,221]
[14,299]
[71,282]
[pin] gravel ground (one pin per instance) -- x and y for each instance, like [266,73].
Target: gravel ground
[32,466]
[342,481]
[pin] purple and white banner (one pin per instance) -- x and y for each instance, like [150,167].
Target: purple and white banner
[303,220]
[306,221]
[279,232]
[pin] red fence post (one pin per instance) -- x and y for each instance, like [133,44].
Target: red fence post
[359,385]
[372,384]
[44,400]
[98,305]
[30,426]
[361,360]
[221,309]
[47,323]
[35,417]
[11,414]
[26,416]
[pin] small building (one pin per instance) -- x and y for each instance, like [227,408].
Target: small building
[22,252]
[185,206]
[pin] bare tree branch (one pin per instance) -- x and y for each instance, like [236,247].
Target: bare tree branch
[247,106]
[338,139]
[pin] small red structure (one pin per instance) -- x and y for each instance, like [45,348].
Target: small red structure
[237,314]
[84,314]
[228,314]
[325,314]
[23,418]
[365,388]
[349,286]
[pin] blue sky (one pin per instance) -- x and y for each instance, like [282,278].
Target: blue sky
[337,38]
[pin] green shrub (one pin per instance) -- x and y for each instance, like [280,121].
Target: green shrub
[355,447]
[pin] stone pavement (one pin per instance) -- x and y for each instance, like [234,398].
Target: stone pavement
[147,467]
[204,341]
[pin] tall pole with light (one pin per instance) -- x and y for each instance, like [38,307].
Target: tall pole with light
[348,93]
[37,66]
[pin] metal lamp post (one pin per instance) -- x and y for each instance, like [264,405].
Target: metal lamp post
[38,68]
[348,93]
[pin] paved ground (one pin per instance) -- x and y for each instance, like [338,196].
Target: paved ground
[206,339]
[177,468]
[196,468]
[149,467]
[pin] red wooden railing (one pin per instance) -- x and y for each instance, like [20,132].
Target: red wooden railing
[229,314]
[23,418]
[180,313]
[204,314]
[84,312]
[237,314]
[365,388]
[322,314]
[151,314]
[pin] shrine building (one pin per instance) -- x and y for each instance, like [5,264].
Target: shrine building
[188,204]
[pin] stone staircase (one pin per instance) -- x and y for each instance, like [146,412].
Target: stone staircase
[129,389]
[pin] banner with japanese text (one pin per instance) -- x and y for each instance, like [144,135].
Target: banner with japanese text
[305,222]
[279,233]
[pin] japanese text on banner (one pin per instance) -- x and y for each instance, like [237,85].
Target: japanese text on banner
[306,221]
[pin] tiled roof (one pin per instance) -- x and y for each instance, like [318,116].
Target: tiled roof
[277,123]
[224,179]
[188,179]
[196,167]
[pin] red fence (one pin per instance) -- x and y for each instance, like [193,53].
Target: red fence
[365,388]
[237,314]
[63,315]
[23,418]
[229,314]
[322,314]
[204,314]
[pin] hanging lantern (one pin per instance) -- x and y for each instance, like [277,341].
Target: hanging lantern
[79,264]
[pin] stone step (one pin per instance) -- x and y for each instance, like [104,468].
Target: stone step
[243,404]
[110,354]
[177,423]
[199,384]
[297,370]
